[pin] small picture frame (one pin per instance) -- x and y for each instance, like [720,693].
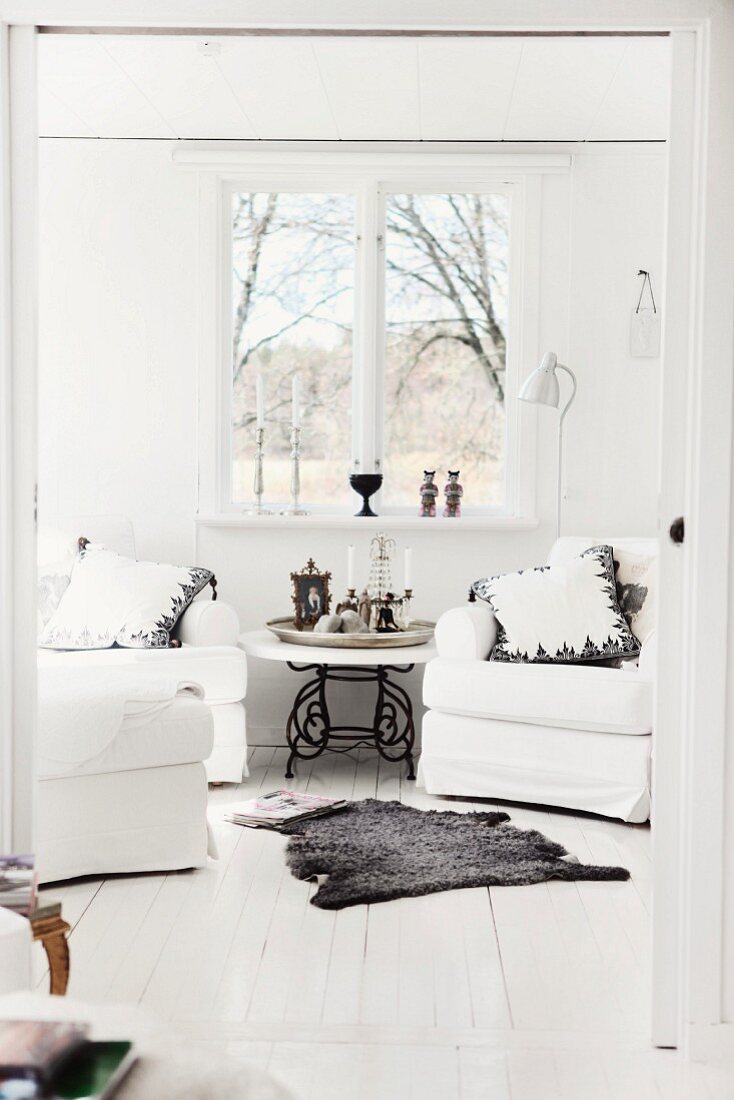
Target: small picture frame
[311,596]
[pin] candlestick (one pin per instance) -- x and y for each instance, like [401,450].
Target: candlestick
[293,509]
[405,608]
[260,401]
[350,568]
[258,483]
[296,402]
[408,567]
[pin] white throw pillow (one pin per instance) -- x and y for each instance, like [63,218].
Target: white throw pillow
[53,580]
[559,614]
[112,600]
[55,558]
[637,591]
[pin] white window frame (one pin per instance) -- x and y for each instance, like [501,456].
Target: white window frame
[369,177]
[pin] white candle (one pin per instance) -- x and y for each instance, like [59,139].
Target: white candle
[408,567]
[350,567]
[296,402]
[260,401]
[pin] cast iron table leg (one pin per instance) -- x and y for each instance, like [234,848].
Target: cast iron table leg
[309,725]
[309,729]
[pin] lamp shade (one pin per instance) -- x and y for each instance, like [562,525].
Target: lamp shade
[541,387]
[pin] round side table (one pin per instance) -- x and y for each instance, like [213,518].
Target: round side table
[309,729]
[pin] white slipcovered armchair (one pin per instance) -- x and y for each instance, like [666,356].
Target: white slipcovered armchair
[574,736]
[140,803]
[209,655]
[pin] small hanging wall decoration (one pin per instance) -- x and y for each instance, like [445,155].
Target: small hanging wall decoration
[645,325]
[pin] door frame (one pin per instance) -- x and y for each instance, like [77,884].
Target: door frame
[18,324]
[692,769]
[688,949]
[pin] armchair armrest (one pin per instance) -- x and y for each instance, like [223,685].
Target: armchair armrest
[648,660]
[468,632]
[206,622]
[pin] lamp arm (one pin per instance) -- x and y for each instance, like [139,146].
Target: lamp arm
[566,407]
[572,376]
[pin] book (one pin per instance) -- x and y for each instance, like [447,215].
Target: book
[33,1050]
[45,1059]
[93,1071]
[279,808]
[17,883]
[44,908]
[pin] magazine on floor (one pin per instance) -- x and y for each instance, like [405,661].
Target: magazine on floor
[17,884]
[279,808]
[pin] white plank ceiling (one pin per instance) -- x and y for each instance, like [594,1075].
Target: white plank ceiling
[301,88]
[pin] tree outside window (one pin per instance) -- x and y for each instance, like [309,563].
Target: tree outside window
[445,329]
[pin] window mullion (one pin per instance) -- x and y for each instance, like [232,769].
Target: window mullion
[365,345]
[378,328]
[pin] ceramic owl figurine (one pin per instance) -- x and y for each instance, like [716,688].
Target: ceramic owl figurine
[453,491]
[429,493]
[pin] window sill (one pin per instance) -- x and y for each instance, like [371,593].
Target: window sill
[378,523]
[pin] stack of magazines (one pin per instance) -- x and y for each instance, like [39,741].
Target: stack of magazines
[17,884]
[45,1058]
[279,808]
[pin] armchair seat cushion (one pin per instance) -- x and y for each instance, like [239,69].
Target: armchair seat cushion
[181,733]
[583,697]
[220,670]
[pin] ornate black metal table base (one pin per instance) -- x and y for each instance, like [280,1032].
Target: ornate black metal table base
[309,729]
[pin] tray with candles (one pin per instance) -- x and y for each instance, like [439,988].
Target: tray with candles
[377,618]
[419,632]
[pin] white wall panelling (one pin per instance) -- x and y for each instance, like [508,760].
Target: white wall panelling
[363,88]
[119,350]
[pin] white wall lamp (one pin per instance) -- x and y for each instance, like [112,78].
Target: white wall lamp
[542,388]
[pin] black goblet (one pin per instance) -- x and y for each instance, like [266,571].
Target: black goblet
[365,485]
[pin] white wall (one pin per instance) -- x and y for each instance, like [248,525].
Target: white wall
[117,416]
[118,379]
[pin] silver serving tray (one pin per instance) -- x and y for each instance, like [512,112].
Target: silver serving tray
[420,632]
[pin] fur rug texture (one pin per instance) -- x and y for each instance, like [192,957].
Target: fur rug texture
[376,851]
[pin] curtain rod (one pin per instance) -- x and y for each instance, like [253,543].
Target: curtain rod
[345,32]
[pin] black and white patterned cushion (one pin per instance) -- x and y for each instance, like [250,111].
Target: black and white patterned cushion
[559,614]
[113,600]
[637,587]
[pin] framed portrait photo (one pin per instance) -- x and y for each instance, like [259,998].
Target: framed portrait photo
[311,596]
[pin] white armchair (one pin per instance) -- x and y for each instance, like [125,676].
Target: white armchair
[209,654]
[575,736]
[140,803]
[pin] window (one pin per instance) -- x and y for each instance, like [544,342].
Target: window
[394,303]
[446,269]
[293,313]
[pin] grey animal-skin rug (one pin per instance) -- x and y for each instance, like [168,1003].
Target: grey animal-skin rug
[376,851]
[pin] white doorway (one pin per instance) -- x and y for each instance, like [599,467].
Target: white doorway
[692,990]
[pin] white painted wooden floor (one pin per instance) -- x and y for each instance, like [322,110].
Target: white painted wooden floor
[523,993]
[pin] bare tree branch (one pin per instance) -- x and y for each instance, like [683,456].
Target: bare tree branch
[443,262]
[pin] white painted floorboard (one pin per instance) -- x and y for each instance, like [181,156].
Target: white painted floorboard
[523,993]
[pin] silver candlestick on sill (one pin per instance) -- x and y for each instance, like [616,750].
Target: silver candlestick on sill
[293,509]
[258,483]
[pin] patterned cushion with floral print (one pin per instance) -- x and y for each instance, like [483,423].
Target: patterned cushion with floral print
[559,614]
[113,600]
